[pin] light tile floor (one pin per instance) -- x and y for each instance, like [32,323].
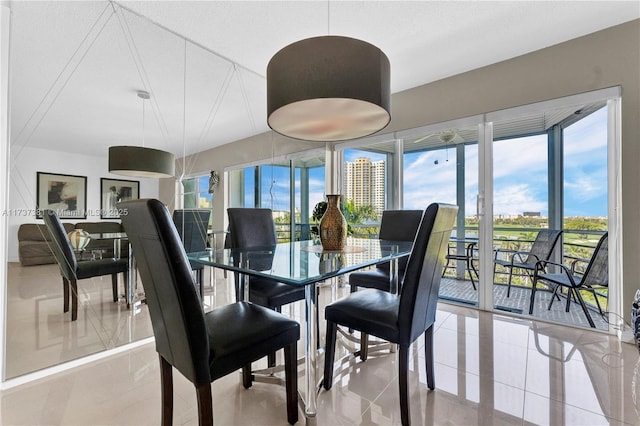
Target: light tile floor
[490,370]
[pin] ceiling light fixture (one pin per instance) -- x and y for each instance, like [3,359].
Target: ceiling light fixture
[328,88]
[139,161]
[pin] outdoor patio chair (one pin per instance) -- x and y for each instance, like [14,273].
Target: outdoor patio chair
[541,249]
[595,276]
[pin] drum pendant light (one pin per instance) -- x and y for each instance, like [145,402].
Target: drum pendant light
[328,88]
[139,161]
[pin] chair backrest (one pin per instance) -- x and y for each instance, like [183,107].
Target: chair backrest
[60,245]
[597,272]
[399,225]
[250,227]
[421,283]
[192,226]
[543,245]
[174,305]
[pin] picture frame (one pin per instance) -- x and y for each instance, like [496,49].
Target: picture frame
[113,191]
[65,194]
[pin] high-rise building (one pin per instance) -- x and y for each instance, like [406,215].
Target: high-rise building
[364,183]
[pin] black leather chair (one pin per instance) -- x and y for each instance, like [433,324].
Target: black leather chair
[402,318]
[72,270]
[192,226]
[203,347]
[253,227]
[396,225]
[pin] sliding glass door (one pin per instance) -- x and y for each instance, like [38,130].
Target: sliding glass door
[550,177]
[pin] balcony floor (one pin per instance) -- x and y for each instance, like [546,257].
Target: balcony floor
[461,291]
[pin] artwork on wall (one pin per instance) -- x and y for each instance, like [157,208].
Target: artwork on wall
[66,194]
[113,191]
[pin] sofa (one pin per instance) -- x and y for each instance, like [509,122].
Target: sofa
[34,240]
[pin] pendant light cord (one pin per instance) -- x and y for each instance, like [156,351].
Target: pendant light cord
[328,18]
[142,122]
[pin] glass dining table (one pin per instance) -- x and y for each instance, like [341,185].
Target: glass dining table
[302,263]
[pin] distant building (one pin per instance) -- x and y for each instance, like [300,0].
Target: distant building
[364,183]
[531,214]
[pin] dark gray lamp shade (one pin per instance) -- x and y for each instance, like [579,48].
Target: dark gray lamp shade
[328,88]
[139,161]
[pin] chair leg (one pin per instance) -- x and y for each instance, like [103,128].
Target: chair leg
[554,295]
[364,346]
[166,383]
[200,279]
[65,294]
[205,405]
[584,307]
[509,282]
[403,383]
[428,357]
[114,287]
[271,357]
[247,376]
[329,354]
[532,299]
[74,299]
[291,381]
[568,306]
[469,268]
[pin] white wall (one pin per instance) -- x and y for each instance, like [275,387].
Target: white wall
[26,162]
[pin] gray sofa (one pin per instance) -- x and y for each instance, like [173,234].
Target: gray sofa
[34,240]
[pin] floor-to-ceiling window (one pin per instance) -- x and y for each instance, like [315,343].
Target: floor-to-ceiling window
[442,166]
[513,173]
[290,187]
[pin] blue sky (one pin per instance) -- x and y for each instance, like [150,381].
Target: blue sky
[520,174]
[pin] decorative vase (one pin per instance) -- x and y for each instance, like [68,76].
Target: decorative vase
[79,239]
[333,225]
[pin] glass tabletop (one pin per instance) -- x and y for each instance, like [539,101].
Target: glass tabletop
[302,262]
[108,235]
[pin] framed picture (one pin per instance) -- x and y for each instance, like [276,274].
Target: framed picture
[66,194]
[112,191]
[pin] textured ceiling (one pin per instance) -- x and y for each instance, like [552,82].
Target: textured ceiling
[76,66]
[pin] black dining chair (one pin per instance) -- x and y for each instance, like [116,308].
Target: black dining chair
[202,346]
[72,270]
[255,228]
[400,318]
[192,226]
[396,225]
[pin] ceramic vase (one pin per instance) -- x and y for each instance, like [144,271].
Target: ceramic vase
[333,225]
[79,239]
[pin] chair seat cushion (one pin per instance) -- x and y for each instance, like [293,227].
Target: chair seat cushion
[243,332]
[530,266]
[371,311]
[561,279]
[374,278]
[273,294]
[94,268]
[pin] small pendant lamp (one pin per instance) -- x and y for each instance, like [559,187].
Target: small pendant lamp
[328,88]
[139,161]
